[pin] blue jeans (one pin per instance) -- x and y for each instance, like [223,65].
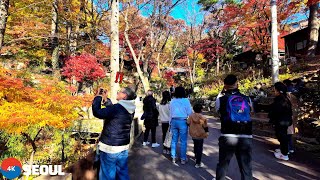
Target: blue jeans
[179,128]
[114,166]
[242,148]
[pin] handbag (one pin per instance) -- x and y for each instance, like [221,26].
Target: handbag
[168,139]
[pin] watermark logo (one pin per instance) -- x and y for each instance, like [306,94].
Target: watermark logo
[43,170]
[11,168]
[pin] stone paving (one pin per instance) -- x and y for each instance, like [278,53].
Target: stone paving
[146,163]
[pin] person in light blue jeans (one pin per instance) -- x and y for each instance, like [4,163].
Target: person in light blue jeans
[114,165]
[180,109]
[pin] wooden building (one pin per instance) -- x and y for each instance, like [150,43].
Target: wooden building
[296,43]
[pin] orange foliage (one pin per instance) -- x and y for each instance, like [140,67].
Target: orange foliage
[23,108]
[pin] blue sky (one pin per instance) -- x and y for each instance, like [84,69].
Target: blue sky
[188,9]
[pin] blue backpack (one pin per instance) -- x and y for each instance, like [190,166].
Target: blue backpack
[238,109]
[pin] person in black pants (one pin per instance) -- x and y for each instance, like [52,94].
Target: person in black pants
[236,136]
[198,131]
[150,116]
[281,117]
[164,116]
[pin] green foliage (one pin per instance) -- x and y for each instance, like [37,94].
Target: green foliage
[207,4]
[27,78]
[15,144]
[288,76]
[158,85]
[247,85]
[210,92]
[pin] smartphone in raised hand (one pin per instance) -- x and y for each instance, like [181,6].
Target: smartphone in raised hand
[101,91]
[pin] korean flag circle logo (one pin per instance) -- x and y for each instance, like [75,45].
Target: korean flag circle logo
[11,168]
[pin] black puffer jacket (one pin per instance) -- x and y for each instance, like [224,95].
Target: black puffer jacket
[150,112]
[281,111]
[117,121]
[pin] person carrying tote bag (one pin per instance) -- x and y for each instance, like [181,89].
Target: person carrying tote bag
[167,141]
[165,117]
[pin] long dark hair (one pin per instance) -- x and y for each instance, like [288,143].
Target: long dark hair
[280,87]
[165,97]
[283,97]
[180,92]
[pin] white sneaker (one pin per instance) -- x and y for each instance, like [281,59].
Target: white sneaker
[154,145]
[145,143]
[199,165]
[277,150]
[281,156]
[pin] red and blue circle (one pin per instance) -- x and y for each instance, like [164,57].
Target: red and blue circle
[11,168]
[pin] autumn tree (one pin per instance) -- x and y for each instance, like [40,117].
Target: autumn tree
[85,69]
[157,30]
[29,112]
[4,7]
[250,20]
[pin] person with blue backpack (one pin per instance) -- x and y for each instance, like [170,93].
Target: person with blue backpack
[236,129]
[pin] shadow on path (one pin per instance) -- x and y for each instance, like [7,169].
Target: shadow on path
[149,163]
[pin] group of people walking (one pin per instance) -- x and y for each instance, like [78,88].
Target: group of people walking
[179,117]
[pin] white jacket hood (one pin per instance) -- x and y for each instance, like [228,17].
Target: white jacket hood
[129,105]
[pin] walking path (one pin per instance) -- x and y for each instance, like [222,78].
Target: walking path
[149,163]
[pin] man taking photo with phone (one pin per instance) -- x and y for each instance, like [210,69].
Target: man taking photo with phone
[115,136]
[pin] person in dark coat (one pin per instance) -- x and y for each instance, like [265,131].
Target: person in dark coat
[150,117]
[115,136]
[281,117]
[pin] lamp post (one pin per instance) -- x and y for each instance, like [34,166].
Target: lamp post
[274,42]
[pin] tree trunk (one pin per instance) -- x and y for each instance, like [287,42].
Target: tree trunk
[114,64]
[72,39]
[4,6]
[158,61]
[274,42]
[63,147]
[190,71]
[144,79]
[314,30]
[218,67]
[55,41]
[31,161]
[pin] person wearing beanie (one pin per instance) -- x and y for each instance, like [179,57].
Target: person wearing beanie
[236,131]
[281,117]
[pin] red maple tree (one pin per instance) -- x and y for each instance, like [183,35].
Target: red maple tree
[83,67]
[210,48]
